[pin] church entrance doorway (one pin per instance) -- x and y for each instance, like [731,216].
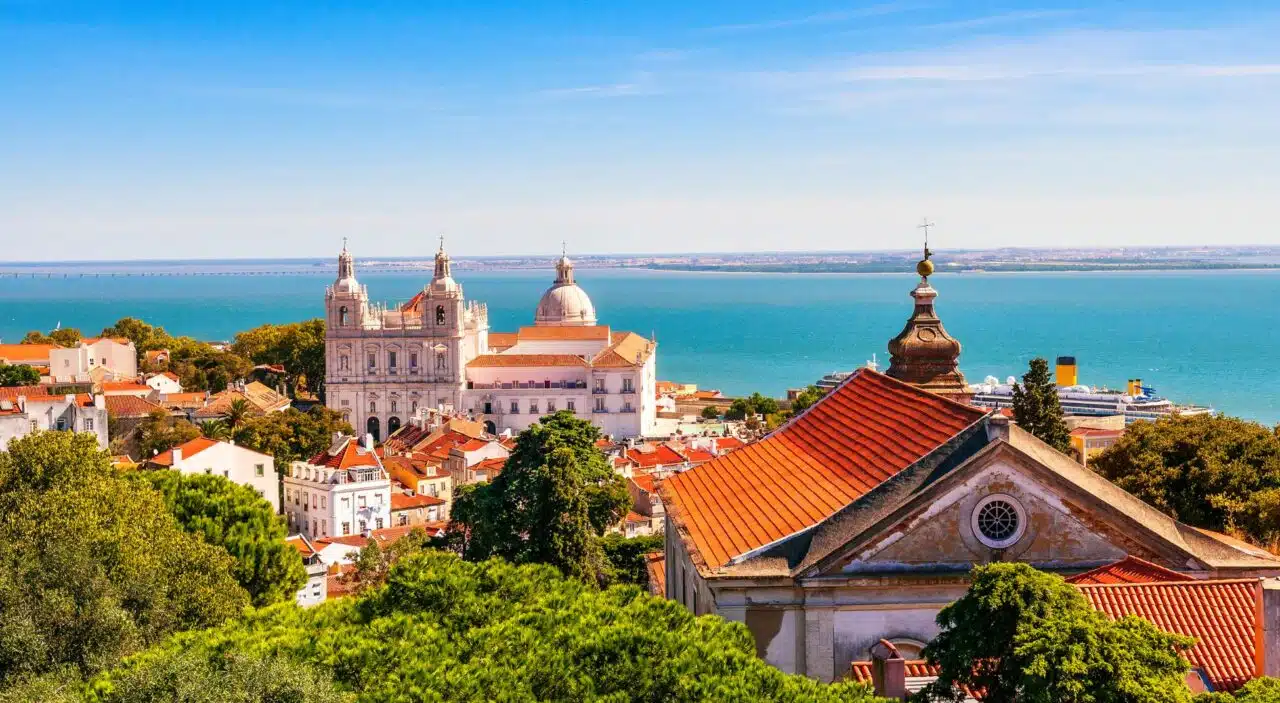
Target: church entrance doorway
[393,424]
[490,427]
[372,428]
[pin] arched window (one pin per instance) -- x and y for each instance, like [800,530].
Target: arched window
[442,361]
[373,428]
[373,407]
[393,406]
[413,407]
[393,424]
[439,314]
[342,316]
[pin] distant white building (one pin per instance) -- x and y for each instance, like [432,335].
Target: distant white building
[233,462]
[165,383]
[343,490]
[315,590]
[384,365]
[24,410]
[94,359]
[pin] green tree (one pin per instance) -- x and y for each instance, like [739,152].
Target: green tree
[738,410]
[63,337]
[238,410]
[18,375]
[1036,407]
[145,337]
[627,557]
[1260,690]
[94,569]
[298,347]
[550,504]
[1219,473]
[217,430]
[710,412]
[37,337]
[243,677]
[292,435]
[446,629]
[1022,635]
[237,519]
[754,404]
[807,397]
[160,432]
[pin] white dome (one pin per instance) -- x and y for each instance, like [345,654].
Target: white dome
[565,304]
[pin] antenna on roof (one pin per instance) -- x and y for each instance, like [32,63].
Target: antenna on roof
[925,225]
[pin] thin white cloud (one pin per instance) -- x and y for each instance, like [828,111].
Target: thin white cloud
[1000,19]
[820,18]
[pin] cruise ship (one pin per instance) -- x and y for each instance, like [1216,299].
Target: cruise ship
[1135,402]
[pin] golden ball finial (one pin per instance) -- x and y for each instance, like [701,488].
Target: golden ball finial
[925,268]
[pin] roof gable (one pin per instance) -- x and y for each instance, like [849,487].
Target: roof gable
[1131,569]
[865,431]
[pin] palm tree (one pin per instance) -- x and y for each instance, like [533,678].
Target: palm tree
[217,430]
[236,413]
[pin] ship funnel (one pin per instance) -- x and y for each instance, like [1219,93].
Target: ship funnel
[1067,375]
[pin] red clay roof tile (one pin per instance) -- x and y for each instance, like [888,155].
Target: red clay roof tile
[1128,570]
[866,430]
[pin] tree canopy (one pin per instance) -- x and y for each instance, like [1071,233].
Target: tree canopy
[1219,473]
[234,517]
[447,630]
[200,366]
[1036,407]
[291,434]
[807,397]
[18,375]
[554,499]
[755,404]
[63,337]
[1027,636]
[160,432]
[94,569]
[298,347]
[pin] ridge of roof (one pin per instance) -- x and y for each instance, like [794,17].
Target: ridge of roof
[510,360]
[1130,569]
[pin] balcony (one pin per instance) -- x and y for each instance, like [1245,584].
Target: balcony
[599,391]
[600,410]
[392,371]
[361,475]
[627,410]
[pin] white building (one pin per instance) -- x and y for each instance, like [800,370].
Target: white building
[27,409]
[165,383]
[111,358]
[341,491]
[315,590]
[235,463]
[386,365]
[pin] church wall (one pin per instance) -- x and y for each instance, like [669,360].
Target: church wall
[587,348]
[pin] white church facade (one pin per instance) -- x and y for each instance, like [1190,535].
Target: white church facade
[384,365]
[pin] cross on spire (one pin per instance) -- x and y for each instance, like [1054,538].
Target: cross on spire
[442,242]
[564,248]
[344,243]
[925,225]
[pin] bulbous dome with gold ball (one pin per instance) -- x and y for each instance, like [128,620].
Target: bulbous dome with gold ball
[923,354]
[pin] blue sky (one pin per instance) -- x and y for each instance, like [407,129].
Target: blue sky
[139,129]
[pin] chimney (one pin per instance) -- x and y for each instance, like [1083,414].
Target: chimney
[888,671]
[177,457]
[997,427]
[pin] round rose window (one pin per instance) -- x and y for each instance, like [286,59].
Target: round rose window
[998,521]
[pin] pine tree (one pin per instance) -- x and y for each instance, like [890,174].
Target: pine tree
[1036,408]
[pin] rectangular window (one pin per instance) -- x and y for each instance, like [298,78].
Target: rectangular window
[314,528]
[515,408]
[88,424]
[342,362]
[62,423]
[551,406]
[346,528]
[533,407]
[373,360]
[391,359]
[569,405]
[599,405]
[599,385]
[226,473]
[626,386]
[363,502]
[259,470]
[315,500]
[403,519]
[324,527]
[626,407]
[413,360]
[364,526]
[377,524]
[323,500]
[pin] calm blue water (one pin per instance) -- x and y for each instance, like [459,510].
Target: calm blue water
[1203,337]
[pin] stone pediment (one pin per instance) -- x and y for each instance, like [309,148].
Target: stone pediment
[1015,500]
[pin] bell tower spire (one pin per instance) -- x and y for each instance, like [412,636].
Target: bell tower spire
[444,265]
[346,263]
[923,354]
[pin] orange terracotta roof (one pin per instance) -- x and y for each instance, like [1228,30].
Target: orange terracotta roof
[131,406]
[698,456]
[196,399]
[707,395]
[1095,432]
[384,536]
[400,501]
[524,360]
[26,352]
[866,430]
[15,391]
[656,564]
[472,445]
[633,516]
[299,543]
[502,340]
[348,456]
[189,449]
[493,466]
[95,340]
[588,332]
[630,350]
[170,375]
[126,386]
[643,480]
[1225,616]
[1128,570]
[650,456]
[860,671]
[724,444]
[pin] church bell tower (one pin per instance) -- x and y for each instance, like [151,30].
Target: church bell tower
[923,354]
